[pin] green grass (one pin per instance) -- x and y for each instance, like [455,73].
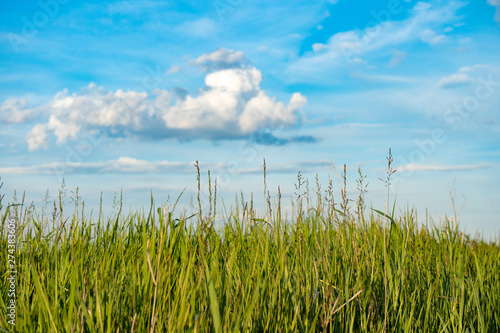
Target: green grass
[332,267]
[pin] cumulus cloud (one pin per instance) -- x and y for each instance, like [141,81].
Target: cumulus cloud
[496,3]
[37,137]
[221,59]
[15,111]
[230,106]
[455,80]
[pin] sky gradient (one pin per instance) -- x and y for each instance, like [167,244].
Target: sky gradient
[128,94]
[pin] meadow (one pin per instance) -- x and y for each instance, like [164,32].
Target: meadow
[333,265]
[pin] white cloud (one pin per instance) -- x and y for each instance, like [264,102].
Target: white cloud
[221,59]
[424,20]
[121,165]
[455,80]
[230,106]
[431,167]
[432,38]
[234,79]
[37,138]
[466,75]
[233,103]
[258,110]
[15,111]
[132,165]
[129,164]
[496,3]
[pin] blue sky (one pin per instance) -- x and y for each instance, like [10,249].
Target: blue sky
[128,94]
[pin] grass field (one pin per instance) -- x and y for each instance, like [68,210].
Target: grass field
[333,266]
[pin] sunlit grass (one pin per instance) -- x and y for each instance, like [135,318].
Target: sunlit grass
[332,267]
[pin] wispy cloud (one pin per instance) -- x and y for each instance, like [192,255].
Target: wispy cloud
[431,37]
[203,27]
[121,165]
[424,21]
[383,78]
[496,3]
[129,165]
[466,75]
[455,80]
[433,167]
